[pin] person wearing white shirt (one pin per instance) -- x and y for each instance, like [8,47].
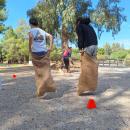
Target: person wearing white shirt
[40,58]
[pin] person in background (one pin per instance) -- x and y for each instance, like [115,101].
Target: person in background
[40,58]
[87,44]
[70,55]
[66,56]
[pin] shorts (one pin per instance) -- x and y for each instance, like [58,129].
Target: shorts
[66,62]
[91,50]
[40,53]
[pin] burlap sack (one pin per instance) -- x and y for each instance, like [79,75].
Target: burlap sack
[43,78]
[89,74]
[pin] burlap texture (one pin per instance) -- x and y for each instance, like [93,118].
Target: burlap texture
[43,78]
[89,74]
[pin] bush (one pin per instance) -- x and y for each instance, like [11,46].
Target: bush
[101,57]
[101,51]
[75,54]
[128,56]
[118,55]
[127,60]
[56,54]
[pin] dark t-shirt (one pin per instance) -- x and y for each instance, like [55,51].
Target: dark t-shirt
[86,36]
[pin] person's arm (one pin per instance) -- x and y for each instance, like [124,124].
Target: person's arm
[80,37]
[30,41]
[51,41]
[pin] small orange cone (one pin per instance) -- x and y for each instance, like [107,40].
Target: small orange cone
[14,76]
[91,104]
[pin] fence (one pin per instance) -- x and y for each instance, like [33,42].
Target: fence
[111,62]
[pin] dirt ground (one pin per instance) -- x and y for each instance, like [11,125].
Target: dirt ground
[64,110]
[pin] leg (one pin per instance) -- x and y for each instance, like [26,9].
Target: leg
[38,79]
[66,61]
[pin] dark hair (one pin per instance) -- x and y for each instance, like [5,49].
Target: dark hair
[83,20]
[33,21]
[78,20]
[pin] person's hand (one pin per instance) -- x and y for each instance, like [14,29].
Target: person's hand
[81,52]
[50,49]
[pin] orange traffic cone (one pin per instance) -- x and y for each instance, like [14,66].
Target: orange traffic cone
[14,76]
[91,104]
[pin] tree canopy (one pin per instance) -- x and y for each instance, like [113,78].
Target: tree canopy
[3,14]
[59,16]
[15,44]
[108,15]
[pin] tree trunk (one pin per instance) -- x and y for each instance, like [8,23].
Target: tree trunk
[65,37]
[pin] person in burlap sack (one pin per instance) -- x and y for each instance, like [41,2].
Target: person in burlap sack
[87,44]
[40,58]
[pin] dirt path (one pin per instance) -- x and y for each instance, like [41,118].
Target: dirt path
[64,110]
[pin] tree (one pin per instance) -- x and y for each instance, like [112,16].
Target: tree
[101,51]
[107,49]
[48,15]
[15,44]
[1,53]
[22,33]
[10,47]
[117,47]
[72,10]
[60,16]
[119,54]
[3,15]
[108,16]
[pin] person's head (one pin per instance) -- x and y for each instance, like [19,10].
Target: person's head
[33,22]
[81,20]
[78,20]
[85,21]
[70,48]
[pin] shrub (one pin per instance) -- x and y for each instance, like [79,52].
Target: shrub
[56,54]
[103,57]
[75,54]
[118,54]
[127,60]
[101,51]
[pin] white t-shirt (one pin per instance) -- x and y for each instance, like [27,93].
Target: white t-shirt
[38,45]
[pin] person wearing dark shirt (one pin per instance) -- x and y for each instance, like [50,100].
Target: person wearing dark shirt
[87,39]
[87,44]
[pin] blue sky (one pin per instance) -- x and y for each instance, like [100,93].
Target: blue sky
[124,35]
[17,10]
